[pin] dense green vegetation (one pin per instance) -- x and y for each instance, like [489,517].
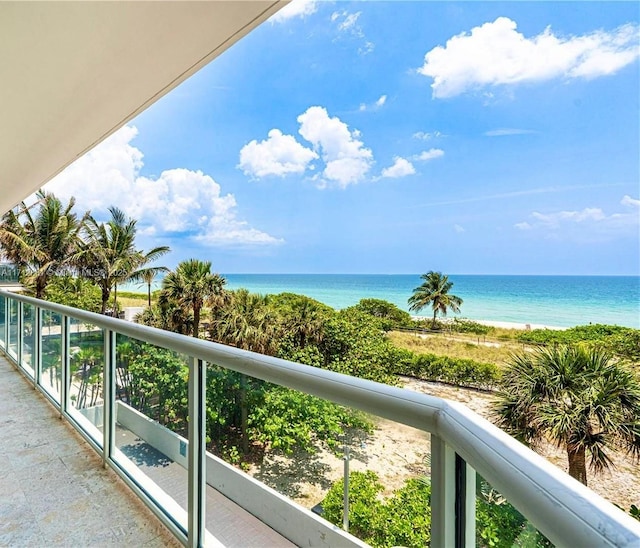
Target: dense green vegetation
[243,414]
[75,292]
[458,371]
[620,341]
[404,519]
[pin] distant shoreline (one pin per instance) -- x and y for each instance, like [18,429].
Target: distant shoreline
[500,324]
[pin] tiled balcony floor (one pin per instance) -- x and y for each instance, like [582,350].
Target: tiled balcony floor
[53,488]
[55,492]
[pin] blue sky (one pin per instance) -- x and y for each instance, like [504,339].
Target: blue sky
[394,137]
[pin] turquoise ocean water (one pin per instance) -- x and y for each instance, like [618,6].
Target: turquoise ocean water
[562,301]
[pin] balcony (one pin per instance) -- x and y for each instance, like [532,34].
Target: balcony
[203,500]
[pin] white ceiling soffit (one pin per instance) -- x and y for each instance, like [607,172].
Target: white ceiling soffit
[71,73]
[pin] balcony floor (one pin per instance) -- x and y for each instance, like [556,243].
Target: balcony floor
[53,488]
[55,492]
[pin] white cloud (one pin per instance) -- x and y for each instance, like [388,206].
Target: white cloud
[430,154]
[347,25]
[378,104]
[502,132]
[496,54]
[297,8]
[178,202]
[555,219]
[590,220]
[459,229]
[347,22]
[277,155]
[347,160]
[400,168]
[426,136]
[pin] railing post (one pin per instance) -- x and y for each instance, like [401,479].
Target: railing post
[470,507]
[108,396]
[36,356]
[465,504]
[443,494]
[65,365]
[7,304]
[19,335]
[196,452]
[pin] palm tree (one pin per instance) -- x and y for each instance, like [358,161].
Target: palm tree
[42,243]
[146,276]
[110,256]
[435,292]
[167,314]
[581,399]
[301,317]
[248,323]
[192,285]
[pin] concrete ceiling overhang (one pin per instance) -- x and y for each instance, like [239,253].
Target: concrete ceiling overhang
[71,73]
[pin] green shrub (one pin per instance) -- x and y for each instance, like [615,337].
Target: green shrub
[623,342]
[458,371]
[390,315]
[364,505]
[578,334]
[469,326]
[404,519]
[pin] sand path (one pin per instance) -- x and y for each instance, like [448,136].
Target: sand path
[397,452]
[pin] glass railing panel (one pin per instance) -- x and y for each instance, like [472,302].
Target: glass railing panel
[86,362]
[151,439]
[9,274]
[12,345]
[295,446]
[51,372]
[499,524]
[3,307]
[28,338]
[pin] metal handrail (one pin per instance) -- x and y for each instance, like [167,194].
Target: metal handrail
[564,510]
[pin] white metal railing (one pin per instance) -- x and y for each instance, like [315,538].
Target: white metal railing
[462,442]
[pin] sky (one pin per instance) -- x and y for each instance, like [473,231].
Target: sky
[393,137]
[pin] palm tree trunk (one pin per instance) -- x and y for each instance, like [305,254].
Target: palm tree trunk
[577,463]
[433,323]
[115,301]
[105,299]
[41,284]
[149,293]
[196,321]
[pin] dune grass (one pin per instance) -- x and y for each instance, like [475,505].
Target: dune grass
[456,346]
[128,298]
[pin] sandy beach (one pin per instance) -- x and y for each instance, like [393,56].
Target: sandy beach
[522,326]
[499,324]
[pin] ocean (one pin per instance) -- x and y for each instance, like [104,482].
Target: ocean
[562,301]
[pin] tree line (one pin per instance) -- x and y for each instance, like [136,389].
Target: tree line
[47,240]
